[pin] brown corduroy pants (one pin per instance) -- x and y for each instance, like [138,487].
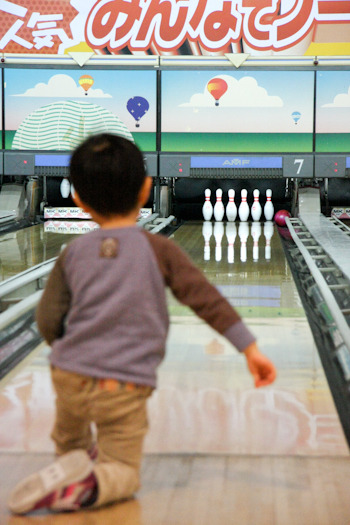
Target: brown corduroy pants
[120,414]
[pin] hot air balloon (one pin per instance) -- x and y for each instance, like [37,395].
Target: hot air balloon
[217,87]
[137,107]
[86,82]
[296,116]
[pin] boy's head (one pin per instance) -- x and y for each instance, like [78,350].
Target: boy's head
[108,172]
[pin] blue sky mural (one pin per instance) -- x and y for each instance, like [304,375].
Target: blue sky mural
[333,102]
[30,89]
[254,102]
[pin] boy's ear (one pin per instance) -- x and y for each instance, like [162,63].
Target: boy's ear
[145,191]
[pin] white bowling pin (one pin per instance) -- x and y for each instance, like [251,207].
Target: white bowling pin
[231,232]
[207,231]
[243,210]
[207,209]
[219,209]
[231,208]
[218,234]
[268,208]
[65,188]
[255,233]
[256,207]
[268,232]
[243,233]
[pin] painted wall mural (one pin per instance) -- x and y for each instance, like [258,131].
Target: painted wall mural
[333,111]
[57,109]
[237,111]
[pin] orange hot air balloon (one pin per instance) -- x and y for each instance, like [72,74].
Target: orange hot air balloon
[86,82]
[217,87]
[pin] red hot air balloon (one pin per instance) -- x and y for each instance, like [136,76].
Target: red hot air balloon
[217,87]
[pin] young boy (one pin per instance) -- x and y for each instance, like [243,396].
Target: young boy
[104,313]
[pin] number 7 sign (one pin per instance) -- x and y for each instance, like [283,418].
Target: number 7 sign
[301,166]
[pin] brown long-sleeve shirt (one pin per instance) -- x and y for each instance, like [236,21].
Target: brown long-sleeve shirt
[104,307]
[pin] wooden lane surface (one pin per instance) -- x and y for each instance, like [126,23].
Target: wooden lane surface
[274,455]
[207,490]
[23,249]
[206,402]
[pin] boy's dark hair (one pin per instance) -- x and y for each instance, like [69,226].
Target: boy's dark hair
[107,172]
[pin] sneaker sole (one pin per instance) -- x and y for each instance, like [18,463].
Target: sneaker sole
[69,468]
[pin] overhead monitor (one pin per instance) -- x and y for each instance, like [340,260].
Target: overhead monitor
[333,111]
[52,109]
[237,111]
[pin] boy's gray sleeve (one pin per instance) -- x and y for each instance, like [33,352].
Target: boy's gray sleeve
[54,303]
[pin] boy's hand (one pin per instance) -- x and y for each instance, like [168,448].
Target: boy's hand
[261,368]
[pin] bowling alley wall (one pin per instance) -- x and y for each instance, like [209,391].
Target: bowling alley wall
[200,80]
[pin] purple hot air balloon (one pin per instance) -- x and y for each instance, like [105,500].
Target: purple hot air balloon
[137,107]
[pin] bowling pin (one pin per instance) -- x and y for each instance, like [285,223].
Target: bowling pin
[243,233]
[207,231]
[218,234]
[268,232]
[231,208]
[256,207]
[219,209]
[268,208]
[255,233]
[243,210]
[231,232]
[207,209]
[65,188]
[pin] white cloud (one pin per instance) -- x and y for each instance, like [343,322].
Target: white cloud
[62,86]
[240,93]
[342,100]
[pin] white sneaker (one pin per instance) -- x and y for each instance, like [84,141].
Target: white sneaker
[66,484]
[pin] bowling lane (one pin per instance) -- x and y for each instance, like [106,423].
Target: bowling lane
[23,249]
[20,251]
[206,402]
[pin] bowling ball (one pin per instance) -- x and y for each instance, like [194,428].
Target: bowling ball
[280,217]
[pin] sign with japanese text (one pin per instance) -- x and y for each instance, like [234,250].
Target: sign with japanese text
[176,27]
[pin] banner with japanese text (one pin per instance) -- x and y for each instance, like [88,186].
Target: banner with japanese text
[176,27]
